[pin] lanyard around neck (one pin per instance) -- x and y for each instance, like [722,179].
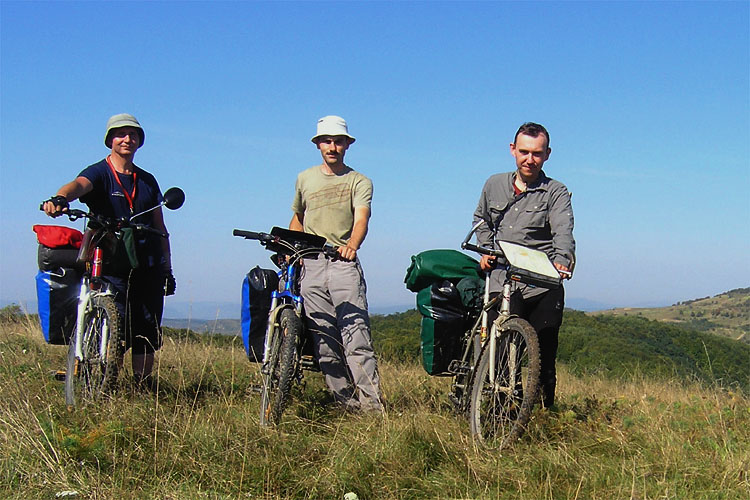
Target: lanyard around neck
[128,196]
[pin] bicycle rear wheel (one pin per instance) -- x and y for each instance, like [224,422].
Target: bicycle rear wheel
[277,383]
[95,375]
[501,408]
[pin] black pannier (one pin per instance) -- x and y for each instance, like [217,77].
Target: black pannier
[256,304]
[57,301]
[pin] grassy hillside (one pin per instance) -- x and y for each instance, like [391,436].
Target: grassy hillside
[618,346]
[198,437]
[726,314]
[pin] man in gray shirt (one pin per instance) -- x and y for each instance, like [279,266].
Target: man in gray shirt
[528,208]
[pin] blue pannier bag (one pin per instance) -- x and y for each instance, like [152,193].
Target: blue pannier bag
[57,300]
[256,304]
[58,280]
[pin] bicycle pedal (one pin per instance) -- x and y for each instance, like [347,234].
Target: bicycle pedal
[256,388]
[60,375]
[307,362]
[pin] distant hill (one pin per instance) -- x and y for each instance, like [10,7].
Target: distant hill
[218,326]
[726,314]
[610,345]
[620,346]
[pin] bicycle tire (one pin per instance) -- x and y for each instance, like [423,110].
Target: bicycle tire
[277,383]
[501,408]
[88,379]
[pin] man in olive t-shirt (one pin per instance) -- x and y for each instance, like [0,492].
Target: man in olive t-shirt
[333,200]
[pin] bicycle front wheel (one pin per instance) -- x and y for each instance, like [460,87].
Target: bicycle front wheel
[89,378]
[501,407]
[277,382]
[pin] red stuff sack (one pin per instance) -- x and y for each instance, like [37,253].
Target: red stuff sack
[58,236]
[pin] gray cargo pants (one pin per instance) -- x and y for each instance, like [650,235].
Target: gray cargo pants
[334,294]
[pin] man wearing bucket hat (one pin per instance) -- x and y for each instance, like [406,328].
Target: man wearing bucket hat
[116,187]
[333,200]
[531,209]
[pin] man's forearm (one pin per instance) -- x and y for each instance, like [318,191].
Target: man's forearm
[359,232]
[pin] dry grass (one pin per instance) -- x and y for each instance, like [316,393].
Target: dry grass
[198,437]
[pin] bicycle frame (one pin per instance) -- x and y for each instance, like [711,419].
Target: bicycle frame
[482,335]
[280,300]
[91,285]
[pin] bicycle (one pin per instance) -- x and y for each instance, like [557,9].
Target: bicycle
[496,382]
[97,345]
[283,359]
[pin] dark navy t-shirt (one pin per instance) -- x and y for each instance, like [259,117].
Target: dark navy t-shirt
[108,199]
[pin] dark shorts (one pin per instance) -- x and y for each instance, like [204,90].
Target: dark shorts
[140,301]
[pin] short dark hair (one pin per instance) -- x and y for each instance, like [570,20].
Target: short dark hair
[531,129]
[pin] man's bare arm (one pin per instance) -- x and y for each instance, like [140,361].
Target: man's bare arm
[70,191]
[296,223]
[359,231]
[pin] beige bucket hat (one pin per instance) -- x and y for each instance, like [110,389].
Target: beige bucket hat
[119,121]
[332,125]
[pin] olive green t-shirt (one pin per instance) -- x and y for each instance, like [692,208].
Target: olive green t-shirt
[327,202]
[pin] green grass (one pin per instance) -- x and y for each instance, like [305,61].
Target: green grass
[198,436]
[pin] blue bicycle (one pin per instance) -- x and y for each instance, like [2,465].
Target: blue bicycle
[283,360]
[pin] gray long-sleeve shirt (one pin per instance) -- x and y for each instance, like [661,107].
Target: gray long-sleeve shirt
[541,218]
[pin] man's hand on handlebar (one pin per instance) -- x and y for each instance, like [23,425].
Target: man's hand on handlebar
[347,253]
[563,270]
[55,206]
[487,263]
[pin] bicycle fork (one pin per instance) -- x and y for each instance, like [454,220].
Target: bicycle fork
[511,347]
[270,328]
[84,300]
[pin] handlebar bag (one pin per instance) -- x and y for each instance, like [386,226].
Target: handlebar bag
[256,304]
[57,301]
[433,266]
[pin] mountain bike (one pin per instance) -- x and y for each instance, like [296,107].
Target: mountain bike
[496,382]
[96,349]
[283,359]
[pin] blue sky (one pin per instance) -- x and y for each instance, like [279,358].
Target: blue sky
[647,105]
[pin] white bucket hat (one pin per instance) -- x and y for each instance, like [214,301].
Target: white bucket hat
[123,120]
[332,125]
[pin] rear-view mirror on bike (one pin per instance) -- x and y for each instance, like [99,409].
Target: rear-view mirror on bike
[174,198]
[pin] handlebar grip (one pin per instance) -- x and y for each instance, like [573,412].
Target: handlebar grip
[251,235]
[149,229]
[330,250]
[500,259]
[482,250]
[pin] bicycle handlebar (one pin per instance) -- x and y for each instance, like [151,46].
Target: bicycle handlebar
[251,235]
[110,223]
[291,245]
[492,252]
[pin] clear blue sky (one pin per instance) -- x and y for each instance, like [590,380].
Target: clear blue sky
[647,105]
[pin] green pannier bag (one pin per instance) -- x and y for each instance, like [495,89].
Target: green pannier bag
[432,266]
[449,288]
[444,320]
